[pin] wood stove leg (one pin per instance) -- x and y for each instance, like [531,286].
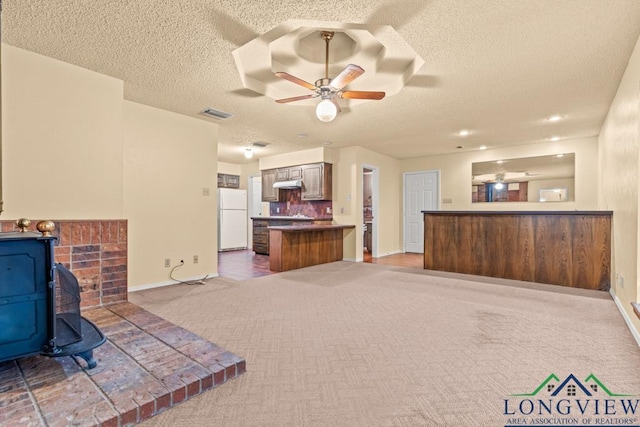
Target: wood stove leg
[88,357]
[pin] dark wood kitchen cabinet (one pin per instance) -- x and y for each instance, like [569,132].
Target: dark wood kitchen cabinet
[269,194]
[228,181]
[261,232]
[316,181]
[288,174]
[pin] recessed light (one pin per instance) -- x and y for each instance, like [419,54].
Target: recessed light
[463,132]
[554,138]
[302,135]
[482,147]
[500,162]
[554,118]
[559,155]
[326,143]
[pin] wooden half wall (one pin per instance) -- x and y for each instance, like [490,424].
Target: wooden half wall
[568,248]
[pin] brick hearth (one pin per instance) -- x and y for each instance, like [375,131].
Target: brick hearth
[146,366]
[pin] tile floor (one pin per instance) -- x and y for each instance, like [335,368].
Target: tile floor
[245,264]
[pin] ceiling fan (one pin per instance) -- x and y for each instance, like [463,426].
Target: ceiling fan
[330,89]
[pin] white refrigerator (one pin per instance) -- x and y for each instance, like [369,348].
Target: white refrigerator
[232,219]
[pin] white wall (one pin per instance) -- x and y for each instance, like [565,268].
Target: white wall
[169,159]
[62,139]
[455,174]
[314,155]
[619,174]
[74,149]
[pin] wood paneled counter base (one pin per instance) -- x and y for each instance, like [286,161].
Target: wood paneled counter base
[568,248]
[298,246]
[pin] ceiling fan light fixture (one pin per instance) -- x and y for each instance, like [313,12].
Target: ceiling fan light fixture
[248,153]
[326,110]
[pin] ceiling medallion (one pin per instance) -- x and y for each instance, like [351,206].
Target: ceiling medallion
[294,50]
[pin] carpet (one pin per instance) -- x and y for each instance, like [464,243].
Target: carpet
[353,344]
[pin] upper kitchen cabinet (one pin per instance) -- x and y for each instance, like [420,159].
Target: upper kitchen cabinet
[270,194]
[228,181]
[316,181]
[288,174]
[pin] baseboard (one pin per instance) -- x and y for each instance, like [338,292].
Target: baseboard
[626,318]
[380,255]
[358,259]
[170,282]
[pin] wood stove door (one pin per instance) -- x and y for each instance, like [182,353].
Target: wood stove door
[24,275]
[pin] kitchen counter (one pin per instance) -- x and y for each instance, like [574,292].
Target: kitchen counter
[261,232]
[309,227]
[288,218]
[298,246]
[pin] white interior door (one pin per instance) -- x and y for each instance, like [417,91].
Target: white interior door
[420,194]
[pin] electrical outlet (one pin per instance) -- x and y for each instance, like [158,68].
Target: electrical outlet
[328,209]
[167,262]
[620,278]
[277,210]
[195,259]
[205,191]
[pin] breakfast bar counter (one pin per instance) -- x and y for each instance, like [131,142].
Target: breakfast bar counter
[567,248]
[298,246]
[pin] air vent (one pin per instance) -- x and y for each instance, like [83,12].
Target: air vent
[216,114]
[259,144]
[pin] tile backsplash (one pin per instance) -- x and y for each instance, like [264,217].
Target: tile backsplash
[293,205]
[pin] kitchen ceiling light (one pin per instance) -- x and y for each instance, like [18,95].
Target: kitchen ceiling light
[464,132]
[554,118]
[554,138]
[499,186]
[248,153]
[326,110]
[482,147]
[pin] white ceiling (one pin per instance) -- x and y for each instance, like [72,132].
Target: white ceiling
[496,67]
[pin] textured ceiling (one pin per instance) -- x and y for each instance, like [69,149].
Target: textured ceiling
[497,67]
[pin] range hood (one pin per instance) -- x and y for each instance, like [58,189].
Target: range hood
[288,184]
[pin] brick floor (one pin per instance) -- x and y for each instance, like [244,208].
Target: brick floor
[146,366]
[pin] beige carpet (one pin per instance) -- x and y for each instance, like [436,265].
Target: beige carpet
[353,344]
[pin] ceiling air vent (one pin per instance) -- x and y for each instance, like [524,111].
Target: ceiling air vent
[259,144]
[216,114]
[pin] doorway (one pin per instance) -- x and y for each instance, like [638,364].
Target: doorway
[421,193]
[369,212]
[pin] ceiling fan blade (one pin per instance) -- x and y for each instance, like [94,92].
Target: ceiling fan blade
[294,79]
[357,94]
[295,98]
[346,76]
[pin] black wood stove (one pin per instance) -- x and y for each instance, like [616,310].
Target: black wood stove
[40,301]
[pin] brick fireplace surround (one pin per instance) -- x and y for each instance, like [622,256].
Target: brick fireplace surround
[146,366]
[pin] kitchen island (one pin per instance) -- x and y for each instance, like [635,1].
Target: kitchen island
[298,246]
